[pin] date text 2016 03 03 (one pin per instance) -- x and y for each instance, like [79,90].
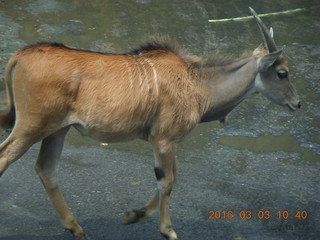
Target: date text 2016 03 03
[216,215]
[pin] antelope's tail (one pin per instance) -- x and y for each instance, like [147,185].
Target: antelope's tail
[8,116]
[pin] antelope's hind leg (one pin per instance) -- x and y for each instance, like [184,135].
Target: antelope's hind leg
[14,147]
[45,166]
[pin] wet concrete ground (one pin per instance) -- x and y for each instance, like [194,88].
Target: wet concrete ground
[264,163]
[101,185]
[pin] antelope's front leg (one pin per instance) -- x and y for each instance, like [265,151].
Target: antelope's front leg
[165,170]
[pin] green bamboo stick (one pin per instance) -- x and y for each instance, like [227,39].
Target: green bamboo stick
[260,15]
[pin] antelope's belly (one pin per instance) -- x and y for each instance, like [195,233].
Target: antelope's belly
[109,133]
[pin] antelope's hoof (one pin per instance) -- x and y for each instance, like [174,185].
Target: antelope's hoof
[134,216]
[169,233]
[223,120]
[83,237]
[78,234]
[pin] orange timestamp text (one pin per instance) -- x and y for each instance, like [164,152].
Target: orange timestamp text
[216,215]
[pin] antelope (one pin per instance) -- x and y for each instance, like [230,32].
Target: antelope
[156,93]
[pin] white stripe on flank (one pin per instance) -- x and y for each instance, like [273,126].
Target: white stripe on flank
[145,77]
[155,76]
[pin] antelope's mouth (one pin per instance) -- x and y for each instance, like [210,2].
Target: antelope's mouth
[292,107]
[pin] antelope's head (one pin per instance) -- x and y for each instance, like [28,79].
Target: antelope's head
[273,79]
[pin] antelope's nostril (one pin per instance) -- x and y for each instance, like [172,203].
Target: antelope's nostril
[299,105]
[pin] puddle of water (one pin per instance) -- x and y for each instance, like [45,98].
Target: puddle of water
[269,143]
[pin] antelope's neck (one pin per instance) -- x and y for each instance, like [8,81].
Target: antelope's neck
[227,86]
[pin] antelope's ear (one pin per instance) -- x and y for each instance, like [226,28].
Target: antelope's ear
[268,60]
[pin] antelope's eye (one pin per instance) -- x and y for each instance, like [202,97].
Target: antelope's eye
[282,74]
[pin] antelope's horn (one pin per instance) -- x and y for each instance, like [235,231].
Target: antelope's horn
[266,35]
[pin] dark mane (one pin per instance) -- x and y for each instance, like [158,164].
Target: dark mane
[165,45]
[171,46]
[156,44]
